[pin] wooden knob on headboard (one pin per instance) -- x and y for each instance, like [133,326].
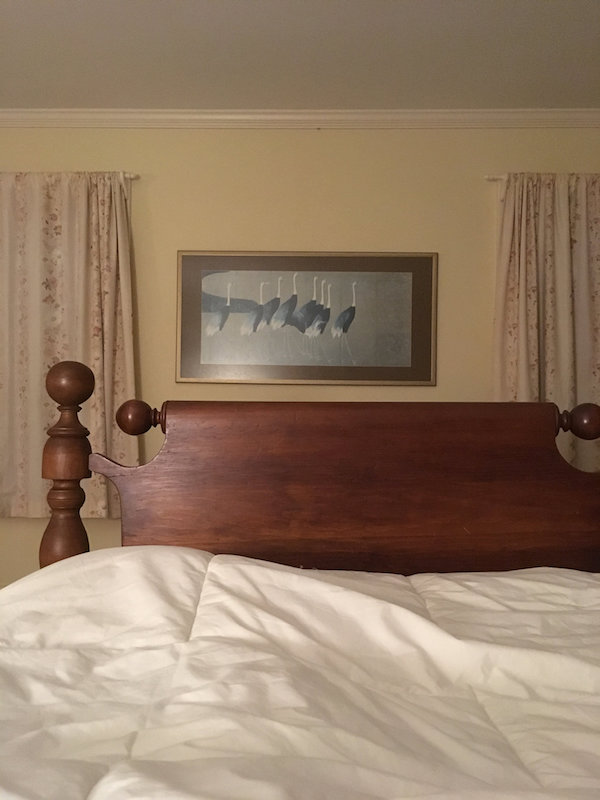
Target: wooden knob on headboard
[135,417]
[583,421]
[70,383]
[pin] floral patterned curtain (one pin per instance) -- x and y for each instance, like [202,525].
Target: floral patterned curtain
[547,337]
[65,293]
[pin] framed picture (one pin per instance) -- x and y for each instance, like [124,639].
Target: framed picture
[307,317]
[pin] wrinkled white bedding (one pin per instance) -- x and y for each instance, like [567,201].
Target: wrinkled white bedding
[158,672]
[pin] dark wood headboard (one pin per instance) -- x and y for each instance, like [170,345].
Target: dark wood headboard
[395,487]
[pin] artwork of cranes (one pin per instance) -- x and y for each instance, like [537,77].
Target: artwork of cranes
[327,318]
[310,319]
[297,315]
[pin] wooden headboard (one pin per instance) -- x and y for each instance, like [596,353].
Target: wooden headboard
[395,487]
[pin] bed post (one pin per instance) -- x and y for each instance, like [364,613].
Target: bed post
[65,462]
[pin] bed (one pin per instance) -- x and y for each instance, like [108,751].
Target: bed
[313,600]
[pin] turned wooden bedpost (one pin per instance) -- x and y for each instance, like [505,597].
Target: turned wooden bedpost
[65,462]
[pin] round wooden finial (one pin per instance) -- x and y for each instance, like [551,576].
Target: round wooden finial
[70,383]
[585,421]
[136,417]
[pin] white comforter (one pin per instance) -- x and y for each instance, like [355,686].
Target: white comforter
[167,673]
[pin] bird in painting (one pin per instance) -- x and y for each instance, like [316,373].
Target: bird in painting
[284,313]
[271,306]
[319,323]
[344,318]
[303,316]
[220,316]
[254,320]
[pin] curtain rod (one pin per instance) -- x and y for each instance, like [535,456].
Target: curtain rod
[132,176]
[495,177]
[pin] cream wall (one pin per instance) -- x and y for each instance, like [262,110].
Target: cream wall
[303,190]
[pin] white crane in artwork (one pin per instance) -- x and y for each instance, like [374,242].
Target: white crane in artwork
[220,317]
[345,318]
[303,316]
[271,306]
[254,319]
[319,323]
[284,313]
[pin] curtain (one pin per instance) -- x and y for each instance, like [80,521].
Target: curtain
[547,334]
[65,272]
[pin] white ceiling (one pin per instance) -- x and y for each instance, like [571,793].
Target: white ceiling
[334,55]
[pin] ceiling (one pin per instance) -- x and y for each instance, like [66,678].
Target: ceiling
[336,55]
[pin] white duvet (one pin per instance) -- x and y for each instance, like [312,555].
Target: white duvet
[167,673]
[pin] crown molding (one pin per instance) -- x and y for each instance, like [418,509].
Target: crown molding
[308,119]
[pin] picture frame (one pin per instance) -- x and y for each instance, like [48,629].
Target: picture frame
[283,317]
